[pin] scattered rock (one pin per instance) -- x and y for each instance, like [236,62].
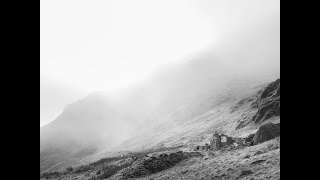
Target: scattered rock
[157,163]
[219,176]
[249,138]
[257,162]
[266,132]
[245,173]
[258,153]
[246,156]
[98,172]
[241,103]
[242,124]
[183,172]
[273,146]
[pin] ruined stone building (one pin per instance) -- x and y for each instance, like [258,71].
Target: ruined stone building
[219,141]
[215,142]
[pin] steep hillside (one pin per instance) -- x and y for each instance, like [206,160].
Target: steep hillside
[181,105]
[225,112]
[174,137]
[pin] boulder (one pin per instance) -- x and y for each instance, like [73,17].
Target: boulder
[266,132]
[249,138]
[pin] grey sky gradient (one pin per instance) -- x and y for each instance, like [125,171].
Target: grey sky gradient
[117,44]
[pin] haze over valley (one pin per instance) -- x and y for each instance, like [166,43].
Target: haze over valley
[128,83]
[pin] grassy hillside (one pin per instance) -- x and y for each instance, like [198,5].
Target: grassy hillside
[178,133]
[181,106]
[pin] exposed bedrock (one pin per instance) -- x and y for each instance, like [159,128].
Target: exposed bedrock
[268,103]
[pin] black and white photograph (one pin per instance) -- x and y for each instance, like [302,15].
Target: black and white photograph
[160,89]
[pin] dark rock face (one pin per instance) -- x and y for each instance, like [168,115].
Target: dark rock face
[245,173]
[154,164]
[249,138]
[257,153]
[266,132]
[268,103]
[257,162]
[242,124]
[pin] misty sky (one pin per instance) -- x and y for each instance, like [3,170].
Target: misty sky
[111,45]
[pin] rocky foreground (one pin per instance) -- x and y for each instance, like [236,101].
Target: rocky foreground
[255,162]
[261,161]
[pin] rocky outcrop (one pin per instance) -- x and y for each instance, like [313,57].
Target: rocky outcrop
[249,138]
[155,163]
[266,132]
[268,103]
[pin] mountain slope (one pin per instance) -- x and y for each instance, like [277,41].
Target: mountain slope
[222,112]
[182,104]
[80,130]
[226,113]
